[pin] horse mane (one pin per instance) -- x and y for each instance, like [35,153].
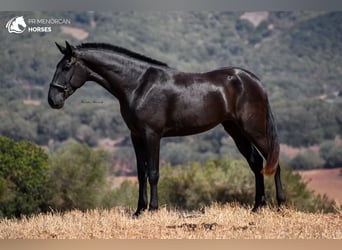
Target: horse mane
[117,49]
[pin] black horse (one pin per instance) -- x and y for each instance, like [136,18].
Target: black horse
[159,101]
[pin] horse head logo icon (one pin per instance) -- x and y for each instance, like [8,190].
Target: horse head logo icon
[16,25]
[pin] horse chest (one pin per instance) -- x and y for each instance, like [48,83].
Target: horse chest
[130,118]
[138,119]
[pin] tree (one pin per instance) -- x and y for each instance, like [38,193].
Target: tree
[332,154]
[306,160]
[78,177]
[23,178]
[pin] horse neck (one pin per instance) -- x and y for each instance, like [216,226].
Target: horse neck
[117,73]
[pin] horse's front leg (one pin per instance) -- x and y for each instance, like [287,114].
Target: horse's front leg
[139,148]
[147,155]
[152,157]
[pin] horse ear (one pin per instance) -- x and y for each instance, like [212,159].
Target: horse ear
[69,48]
[62,49]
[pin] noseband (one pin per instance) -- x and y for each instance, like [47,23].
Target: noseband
[67,88]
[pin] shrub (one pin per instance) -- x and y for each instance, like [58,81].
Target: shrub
[306,160]
[124,196]
[299,197]
[332,154]
[78,177]
[23,178]
[197,185]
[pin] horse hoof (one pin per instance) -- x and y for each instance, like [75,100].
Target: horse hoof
[281,207]
[137,214]
[255,209]
[153,209]
[258,206]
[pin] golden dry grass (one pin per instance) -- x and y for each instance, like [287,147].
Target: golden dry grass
[217,222]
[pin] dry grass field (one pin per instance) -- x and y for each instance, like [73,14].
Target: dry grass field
[214,222]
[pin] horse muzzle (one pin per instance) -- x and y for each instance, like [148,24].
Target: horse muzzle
[56,98]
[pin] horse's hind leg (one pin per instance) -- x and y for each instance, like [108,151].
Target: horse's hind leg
[253,158]
[260,142]
[281,199]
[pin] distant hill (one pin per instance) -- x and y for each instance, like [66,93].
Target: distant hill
[297,55]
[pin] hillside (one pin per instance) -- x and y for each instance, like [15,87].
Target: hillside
[325,181]
[296,54]
[216,222]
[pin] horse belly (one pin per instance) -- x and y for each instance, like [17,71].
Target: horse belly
[183,131]
[195,114]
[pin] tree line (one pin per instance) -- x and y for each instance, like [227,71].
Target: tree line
[75,176]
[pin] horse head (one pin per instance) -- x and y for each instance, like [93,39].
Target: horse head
[70,75]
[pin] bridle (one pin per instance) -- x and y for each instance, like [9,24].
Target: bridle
[67,88]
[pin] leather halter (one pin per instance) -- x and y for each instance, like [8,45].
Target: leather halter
[67,88]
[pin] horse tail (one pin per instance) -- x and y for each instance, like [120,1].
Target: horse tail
[273,144]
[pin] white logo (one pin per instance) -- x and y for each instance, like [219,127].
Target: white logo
[16,25]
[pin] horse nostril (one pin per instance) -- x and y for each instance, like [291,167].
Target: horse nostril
[55,103]
[56,106]
[50,102]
